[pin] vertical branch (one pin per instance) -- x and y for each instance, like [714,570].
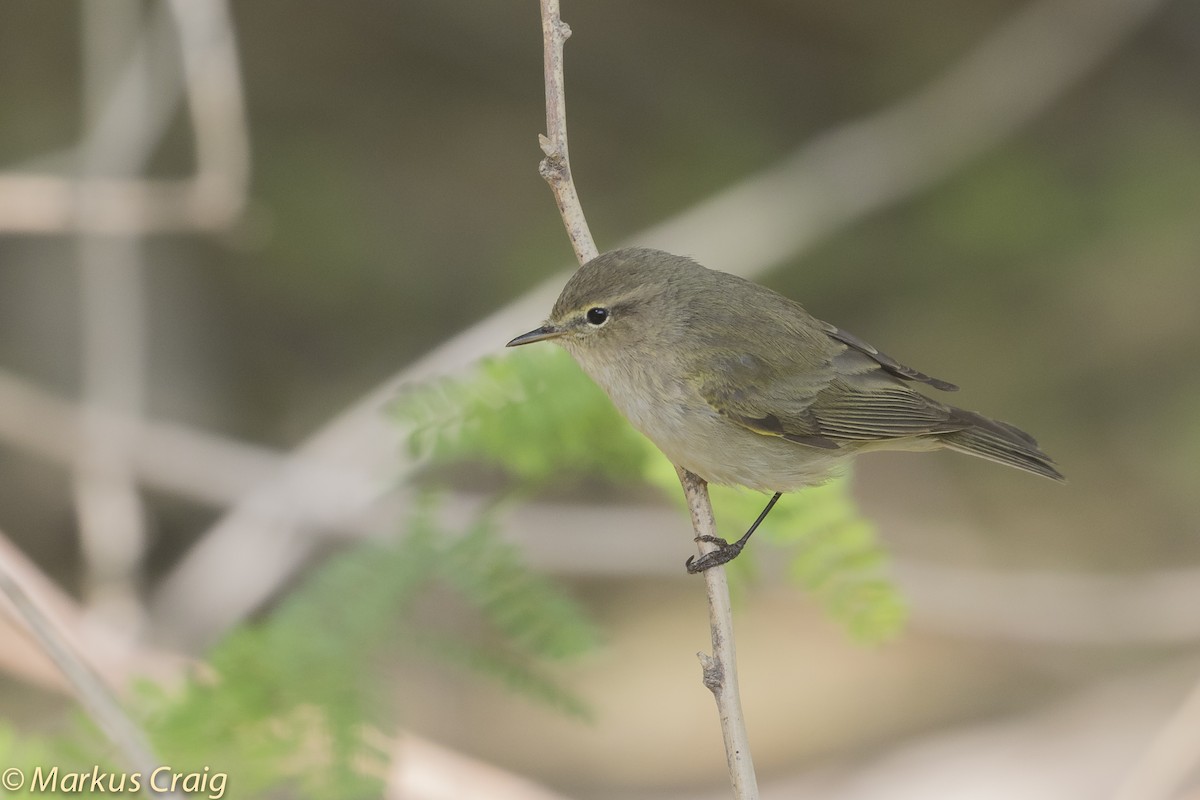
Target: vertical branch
[556,166]
[720,669]
[108,504]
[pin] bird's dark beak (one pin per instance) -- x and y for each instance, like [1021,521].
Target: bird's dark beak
[540,334]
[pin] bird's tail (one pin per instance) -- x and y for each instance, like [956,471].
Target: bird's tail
[999,442]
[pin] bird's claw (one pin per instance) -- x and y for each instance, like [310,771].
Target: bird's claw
[723,554]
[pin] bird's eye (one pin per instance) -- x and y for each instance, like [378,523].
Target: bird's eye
[597,316]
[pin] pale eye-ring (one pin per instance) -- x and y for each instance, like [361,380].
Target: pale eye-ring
[597,316]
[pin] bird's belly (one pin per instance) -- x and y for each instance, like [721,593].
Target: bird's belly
[693,435]
[723,452]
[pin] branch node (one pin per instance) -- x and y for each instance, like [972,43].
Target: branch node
[713,672]
[554,170]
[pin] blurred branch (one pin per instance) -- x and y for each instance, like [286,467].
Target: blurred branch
[90,690]
[1054,608]
[824,186]
[200,466]
[119,51]
[1040,607]
[24,658]
[124,205]
[212,76]
[1063,750]
[1171,757]
[125,123]
[112,328]
[1075,748]
[422,770]
[49,204]
[854,169]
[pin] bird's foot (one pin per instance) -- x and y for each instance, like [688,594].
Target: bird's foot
[724,553]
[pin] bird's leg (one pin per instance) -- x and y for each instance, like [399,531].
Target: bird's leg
[725,551]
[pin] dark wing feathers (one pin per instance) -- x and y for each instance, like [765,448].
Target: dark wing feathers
[1000,442]
[857,395]
[771,425]
[882,414]
[884,360]
[845,393]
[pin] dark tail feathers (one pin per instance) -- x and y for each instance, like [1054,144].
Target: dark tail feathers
[999,442]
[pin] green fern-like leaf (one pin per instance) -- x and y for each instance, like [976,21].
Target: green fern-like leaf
[537,416]
[517,673]
[532,413]
[843,565]
[302,682]
[530,612]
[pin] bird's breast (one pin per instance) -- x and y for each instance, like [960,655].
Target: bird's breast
[673,415]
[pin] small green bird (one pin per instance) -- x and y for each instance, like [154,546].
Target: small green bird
[741,386]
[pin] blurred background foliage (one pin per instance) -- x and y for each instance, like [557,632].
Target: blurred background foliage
[395,201]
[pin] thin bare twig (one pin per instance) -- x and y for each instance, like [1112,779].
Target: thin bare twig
[720,669]
[23,657]
[556,166]
[91,691]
